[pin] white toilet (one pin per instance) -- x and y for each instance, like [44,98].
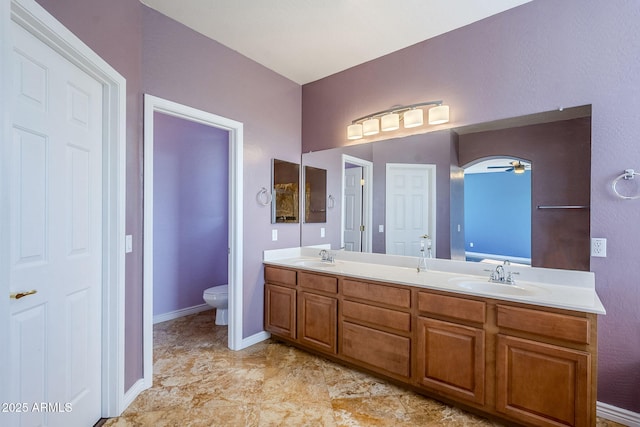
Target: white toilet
[218,297]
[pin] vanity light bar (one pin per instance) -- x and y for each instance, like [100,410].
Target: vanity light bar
[412,116]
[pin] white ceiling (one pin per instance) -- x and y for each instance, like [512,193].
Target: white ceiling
[306,40]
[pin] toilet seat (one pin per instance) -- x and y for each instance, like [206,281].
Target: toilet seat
[217,291]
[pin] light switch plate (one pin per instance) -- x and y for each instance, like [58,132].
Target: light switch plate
[380,228]
[128,243]
[322,232]
[274,235]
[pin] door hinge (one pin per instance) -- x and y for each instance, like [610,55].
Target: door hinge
[362,228]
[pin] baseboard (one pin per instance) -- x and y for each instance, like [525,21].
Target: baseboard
[181,313]
[619,415]
[255,339]
[133,392]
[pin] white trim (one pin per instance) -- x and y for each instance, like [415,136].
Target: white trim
[367,200]
[133,392]
[159,318]
[512,259]
[5,156]
[619,415]
[154,104]
[255,339]
[41,24]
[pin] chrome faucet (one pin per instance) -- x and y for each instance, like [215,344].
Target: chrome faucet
[502,275]
[327,256]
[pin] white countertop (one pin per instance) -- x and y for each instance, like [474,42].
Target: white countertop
[566,289]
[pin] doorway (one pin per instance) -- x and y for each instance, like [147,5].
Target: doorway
[234,131]
[497,210]
[357,214]
[190,217]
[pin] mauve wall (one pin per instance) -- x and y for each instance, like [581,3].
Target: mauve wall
[331,160]
[533,58]
[161,57]
[112,29]
[190,211]
[183,66]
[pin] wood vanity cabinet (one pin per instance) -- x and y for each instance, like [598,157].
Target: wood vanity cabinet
[375,327]
[451,346]
[302,307]
[318,312]
[524,364]
[546,366]
[280,302]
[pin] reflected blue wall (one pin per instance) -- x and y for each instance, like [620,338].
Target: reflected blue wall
[497,213]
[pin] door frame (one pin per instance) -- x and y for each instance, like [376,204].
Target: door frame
[153,104]
[37,21]
[367,200]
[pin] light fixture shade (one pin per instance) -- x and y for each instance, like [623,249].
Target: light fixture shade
[518,168]
[390,122]
[354,131]
[413,118]
[370,127]
[439,115]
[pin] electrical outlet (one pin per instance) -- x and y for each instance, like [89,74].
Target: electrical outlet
[598,247]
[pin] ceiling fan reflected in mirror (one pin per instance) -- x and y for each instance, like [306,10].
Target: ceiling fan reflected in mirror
[516,166]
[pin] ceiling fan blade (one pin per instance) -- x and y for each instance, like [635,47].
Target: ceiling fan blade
[508,170]
[499,167]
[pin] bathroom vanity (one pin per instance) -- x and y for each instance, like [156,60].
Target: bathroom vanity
[525,354]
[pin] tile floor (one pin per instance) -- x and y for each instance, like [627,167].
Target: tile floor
[198,381]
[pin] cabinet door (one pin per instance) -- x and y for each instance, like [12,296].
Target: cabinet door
[318,321]
[280,310]
[542,384]
[450,359]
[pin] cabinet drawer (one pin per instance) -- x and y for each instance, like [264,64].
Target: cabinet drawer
[377,293]
[552,325]
[280,276]
[387,352]
[453,307]
[317,282]
[377,316]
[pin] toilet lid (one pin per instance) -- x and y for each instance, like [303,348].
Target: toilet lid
[222,289]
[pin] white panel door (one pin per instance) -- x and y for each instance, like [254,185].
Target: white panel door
[410,210]
[353,209]
[56,238]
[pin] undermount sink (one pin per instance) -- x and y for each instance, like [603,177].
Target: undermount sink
[495,288]
[315,264]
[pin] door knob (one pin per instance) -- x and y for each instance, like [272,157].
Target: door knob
[18,295]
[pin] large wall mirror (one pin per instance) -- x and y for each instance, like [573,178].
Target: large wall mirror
[285,179]
[553,148]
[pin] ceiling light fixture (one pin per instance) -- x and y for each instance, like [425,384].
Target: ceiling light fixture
[518,167]
[411,115]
